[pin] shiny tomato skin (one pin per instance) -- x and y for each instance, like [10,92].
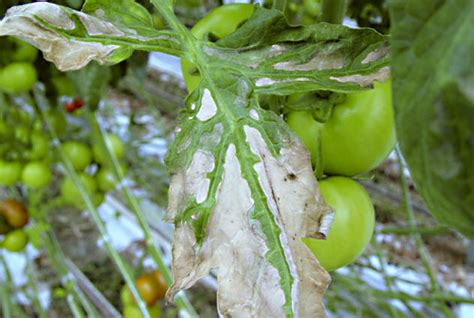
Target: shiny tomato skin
[357,137]
[14,212]
[17,77]
[360,133]
[353,224]
[221,22]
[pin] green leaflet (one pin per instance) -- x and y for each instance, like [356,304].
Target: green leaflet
[433,78]
[282,59]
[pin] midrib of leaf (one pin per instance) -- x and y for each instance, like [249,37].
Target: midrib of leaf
[114,40]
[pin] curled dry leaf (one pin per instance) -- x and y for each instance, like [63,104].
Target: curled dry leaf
[259,204]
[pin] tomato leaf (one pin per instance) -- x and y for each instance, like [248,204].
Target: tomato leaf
[71,39]
[242,196]
[433,79]
[282,59]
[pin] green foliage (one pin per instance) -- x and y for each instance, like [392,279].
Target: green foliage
[432,85]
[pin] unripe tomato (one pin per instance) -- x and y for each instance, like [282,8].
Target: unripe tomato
[106,180]
[72,195]
[221,22]
[10,172]
[15,241]
[78,154]
[23,52]
[132,311]
[356,138]
[36,174]
[17,77]
[125,296]
[114,144]
[14,212]
[353,224]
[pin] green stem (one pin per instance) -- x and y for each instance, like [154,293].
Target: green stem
[94,213]
[113,163]
[5,290]
[279,5]
[333,11]
[436,230]
[33,295]
[421,248]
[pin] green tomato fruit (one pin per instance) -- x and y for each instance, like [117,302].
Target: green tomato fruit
[15,241]
[36,174]
[114,143]
[126,297]
[39,145]
[24,52]
[356,138]
[71,194]
[78,154]
[106,180]
[132,311]
[10,172]
[219,23]
[17,77]
[353,224]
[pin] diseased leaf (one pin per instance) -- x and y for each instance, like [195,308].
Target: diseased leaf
[433,79]
[71,39]
[282,59]
[242,196]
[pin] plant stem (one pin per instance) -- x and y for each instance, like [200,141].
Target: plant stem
[85,196]
[113,163]
[333,11]
[421,248]
[34,291]
[435,230]
[279,5]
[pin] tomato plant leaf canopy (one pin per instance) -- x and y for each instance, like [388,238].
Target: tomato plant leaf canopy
[433,79]
[242,191]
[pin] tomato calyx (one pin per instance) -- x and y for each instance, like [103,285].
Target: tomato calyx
[319,103]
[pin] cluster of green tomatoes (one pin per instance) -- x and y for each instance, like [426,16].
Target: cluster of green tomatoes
[353,138]
[26,158]
[13,218]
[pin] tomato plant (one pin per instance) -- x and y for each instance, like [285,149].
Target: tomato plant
[36,174]
[14,212]
[17,77]
[353,223]
[356,138]
[15,241]
[78,154]
[10,172]
[217,24]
